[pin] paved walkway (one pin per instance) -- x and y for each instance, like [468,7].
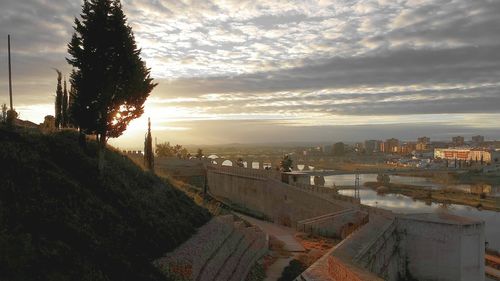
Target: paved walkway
[282,233]
[274,272]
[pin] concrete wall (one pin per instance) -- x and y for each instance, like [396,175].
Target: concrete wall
[407,247]
[383,256]
[279,202]
[342,271]
[337,225]
[443,250]
[190,171]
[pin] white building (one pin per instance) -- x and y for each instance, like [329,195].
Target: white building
[468,154]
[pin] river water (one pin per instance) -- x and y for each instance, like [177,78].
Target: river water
[404,204]
[348,180]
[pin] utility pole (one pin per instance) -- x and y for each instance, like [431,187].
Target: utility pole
[10,76]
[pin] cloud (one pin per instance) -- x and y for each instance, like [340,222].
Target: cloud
[282,60]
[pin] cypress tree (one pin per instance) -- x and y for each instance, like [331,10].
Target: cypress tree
[64,106]
[59,98]
[111,81]
[71,104]
[148,149]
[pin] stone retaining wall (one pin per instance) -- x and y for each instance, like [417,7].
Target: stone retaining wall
[221,250]
[280,202]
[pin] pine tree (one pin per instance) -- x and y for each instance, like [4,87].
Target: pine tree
[148,149]
[59,98]
[64,106]
[111,81]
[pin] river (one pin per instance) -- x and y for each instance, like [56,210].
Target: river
[404,204]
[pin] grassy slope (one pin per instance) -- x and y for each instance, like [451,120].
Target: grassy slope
[59,220]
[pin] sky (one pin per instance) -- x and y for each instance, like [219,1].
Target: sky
[282,71]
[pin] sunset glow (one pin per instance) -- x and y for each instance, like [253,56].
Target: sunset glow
[315,64]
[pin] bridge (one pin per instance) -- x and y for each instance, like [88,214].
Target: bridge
[378,171]
[308,166]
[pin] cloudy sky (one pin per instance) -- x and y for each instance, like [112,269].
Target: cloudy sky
[274,71]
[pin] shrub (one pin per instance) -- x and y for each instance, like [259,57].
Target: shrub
[294,269]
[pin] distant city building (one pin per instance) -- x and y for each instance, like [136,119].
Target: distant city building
[458,141]
[372,146]
[381,146]
[425,140]
[328,148]
[439,144]
[391,145]
[468,154]
[477,139]
[407,148]
[423,143]
[420,146]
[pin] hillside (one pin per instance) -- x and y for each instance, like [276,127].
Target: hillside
[59,220]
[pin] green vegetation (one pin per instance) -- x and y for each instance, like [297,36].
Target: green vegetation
[64,107]
[294,269]
[59,100]
[168,150]
[199,153]
[61,220]
[257,272]
[477,176]
[3,117]
[286,163]
[149,159]
[11,117]
[383,179]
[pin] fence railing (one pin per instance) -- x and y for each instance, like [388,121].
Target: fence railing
[239,171]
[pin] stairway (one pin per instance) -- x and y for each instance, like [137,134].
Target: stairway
[223,249]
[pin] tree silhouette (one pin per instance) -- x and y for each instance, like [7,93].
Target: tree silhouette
[167,150]
[164,150]
[111,81]
[59,100]
[64,106]
[339,149]
[4,113]
[71,99]
[148,149]
[286,163]
[199,153]
[11,118]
